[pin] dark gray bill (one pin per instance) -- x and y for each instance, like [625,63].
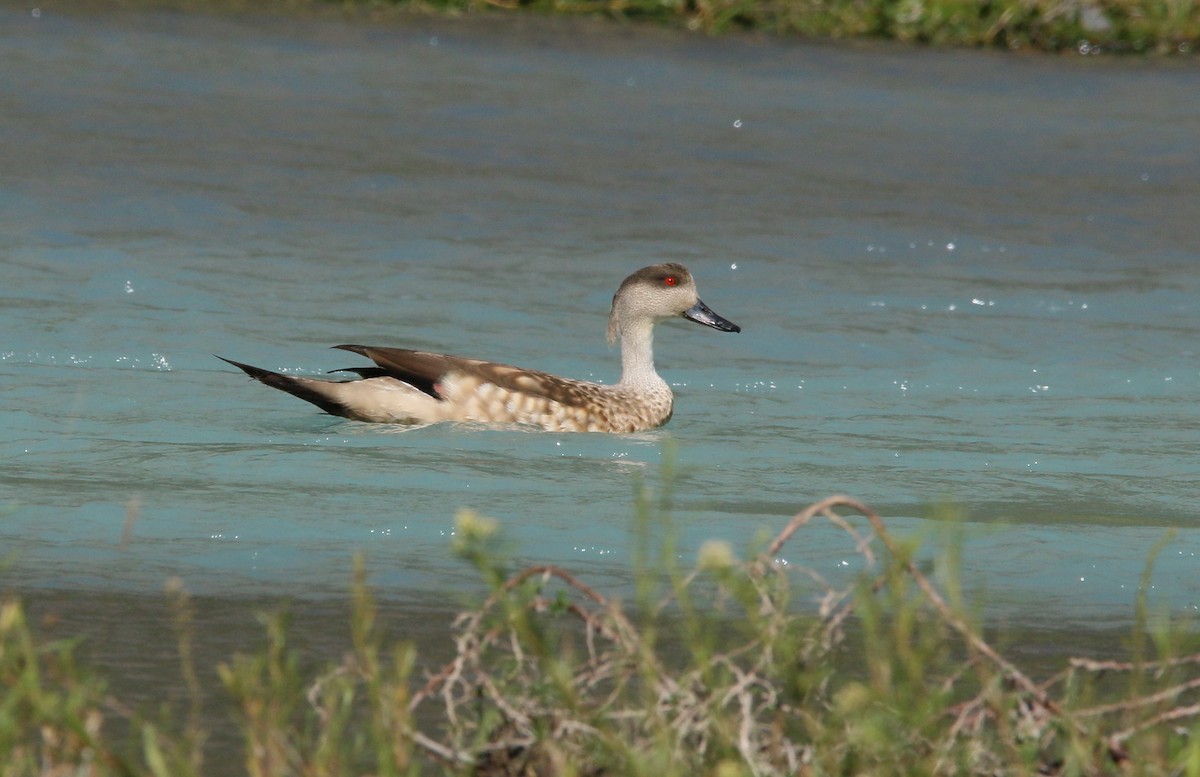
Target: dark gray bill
[703,314]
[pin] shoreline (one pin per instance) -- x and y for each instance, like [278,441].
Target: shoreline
[1079,27]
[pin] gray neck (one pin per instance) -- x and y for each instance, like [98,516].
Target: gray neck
[637,356]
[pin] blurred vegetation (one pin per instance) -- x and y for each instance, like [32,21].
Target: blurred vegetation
[1082,26]
[721,666]
[1086,27]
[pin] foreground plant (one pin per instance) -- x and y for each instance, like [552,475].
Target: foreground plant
[725,668]
[552,677]
[353,719]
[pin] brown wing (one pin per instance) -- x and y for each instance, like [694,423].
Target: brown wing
[423,371]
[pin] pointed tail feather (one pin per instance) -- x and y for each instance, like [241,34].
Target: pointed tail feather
[309,391]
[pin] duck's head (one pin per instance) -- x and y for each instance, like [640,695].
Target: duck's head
[658,292]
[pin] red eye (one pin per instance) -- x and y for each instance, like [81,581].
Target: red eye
[670,280]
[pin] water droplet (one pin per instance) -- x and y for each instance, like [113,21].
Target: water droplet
[737,124]
[433,40]
[733,265]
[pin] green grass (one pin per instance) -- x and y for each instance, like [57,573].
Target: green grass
[1087,27]
[1084,26]
[721,666]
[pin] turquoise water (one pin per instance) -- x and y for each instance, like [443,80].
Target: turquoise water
[963,278]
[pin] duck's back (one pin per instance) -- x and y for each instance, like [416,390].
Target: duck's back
[487,392]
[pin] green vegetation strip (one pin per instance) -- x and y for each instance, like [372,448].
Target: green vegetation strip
[719,668]
[1083,26]
[1088,27]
